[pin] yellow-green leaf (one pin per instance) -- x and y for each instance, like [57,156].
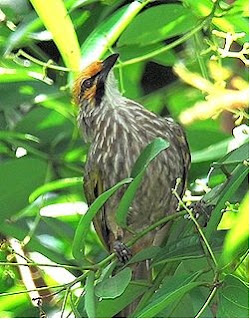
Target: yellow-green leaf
[237,238]
[56,19]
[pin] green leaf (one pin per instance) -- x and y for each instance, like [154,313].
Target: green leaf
[55,185]
[231,159]
[148,154]
[107,308]
[158,23]
[25,92]
[187,248]
[145,254]
[8,136]
[236,242]
[56,19]
[212,152]
[172,289]
[84,224]
[227,22]
[233,299]
[29,24]
[90,296]
[130,52]
[107,32]
[227,190]
[115,286]
[18,179]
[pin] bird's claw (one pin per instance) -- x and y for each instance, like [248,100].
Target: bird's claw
[122,252]
[201,210]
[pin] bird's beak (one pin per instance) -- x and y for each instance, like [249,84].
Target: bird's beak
[107,65]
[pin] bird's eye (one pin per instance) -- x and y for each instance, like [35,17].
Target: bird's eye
[87,83]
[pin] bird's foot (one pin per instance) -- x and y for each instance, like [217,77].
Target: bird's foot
[201,211]
[122,252]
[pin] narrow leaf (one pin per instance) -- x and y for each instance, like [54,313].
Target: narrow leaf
[55,185]
[231,185]
[84,224]
[90,296]
[236,241]
[56,19]
[172,290]
[148,154]
[105,35]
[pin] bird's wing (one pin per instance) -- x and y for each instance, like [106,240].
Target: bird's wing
[181,139]
[93,187]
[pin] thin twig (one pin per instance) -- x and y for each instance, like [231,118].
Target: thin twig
[34,264]
[65,301]
[41,63]
[197,226]
[210,297]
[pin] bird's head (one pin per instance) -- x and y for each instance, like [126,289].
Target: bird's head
[91,84]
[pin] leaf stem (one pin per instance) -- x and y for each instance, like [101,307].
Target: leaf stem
[41,63]
[210,297]
[197,226]
[65,301]
[33,264]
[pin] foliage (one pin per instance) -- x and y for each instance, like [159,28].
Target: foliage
[202,269]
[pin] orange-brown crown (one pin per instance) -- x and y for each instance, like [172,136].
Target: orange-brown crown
[87,73]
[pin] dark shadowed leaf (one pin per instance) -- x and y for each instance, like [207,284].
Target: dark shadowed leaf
[148,253]
[233,299]
[107,308]
[172,289]
[188,247]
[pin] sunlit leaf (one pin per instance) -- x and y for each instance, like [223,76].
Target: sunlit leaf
[158,23]
[56,19]
[104,36]
[236,242]
[227,190]
[55,185]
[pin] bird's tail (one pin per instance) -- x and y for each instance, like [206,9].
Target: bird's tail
[141,271]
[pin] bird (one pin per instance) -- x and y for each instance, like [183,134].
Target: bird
[117,129]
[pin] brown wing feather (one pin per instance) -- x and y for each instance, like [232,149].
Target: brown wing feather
[181,139]
[93,187]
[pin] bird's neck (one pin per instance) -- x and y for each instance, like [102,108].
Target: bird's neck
[93,117]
